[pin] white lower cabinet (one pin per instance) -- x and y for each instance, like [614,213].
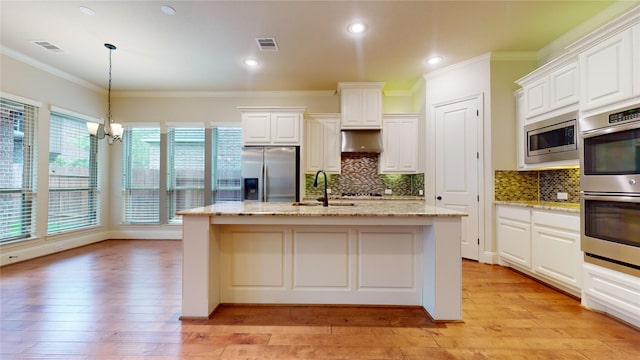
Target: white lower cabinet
[555,239]
[514,235]
[612,292]
[542,243]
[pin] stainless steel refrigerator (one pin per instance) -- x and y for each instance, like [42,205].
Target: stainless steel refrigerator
[271,173]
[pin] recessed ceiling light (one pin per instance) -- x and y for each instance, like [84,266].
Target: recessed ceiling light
[168,10]
[357,28]
[250,62]
[434,60]
[85,10]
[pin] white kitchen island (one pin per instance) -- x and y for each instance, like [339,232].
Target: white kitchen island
[373,252]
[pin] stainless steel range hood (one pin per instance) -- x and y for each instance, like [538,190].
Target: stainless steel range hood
[367,141]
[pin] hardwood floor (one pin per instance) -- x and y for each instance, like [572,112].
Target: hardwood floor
[121,300]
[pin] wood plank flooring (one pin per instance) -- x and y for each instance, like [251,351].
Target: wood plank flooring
[120,299]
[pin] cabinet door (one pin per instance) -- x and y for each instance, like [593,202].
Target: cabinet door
[563,86]
[314,144]
[514,235]
[605,72]
[256,128]
[371,108]
[351,107]
[390,146]
[331,139]
[285,128]
[536,97]
[556,240]
[400,145]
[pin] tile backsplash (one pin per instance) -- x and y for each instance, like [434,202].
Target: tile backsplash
[359,174]
[542,185]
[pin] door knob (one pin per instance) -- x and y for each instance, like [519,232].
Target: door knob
[439,198]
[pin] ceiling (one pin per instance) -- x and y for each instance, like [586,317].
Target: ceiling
[202,46]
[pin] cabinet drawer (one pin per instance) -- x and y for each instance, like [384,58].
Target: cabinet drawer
[568,222]
[514,213]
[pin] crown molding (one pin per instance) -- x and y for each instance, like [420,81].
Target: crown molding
[49,69]
[223,94]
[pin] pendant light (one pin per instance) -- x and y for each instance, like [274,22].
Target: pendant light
[113,131]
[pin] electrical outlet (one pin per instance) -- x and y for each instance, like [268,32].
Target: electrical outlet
[420,192]
[563,196]
[388,192]
[328,191]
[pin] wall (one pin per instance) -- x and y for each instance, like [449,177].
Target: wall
[45,85]
[72,94]
[504,71]
[462,81]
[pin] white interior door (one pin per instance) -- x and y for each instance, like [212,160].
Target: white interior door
[456,156]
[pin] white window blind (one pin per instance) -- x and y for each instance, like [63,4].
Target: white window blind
[227,153]
[18,166]
[185,170]
[74,195]
[141,175]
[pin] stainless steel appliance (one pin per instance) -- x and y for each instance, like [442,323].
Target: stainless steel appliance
[271,174]
[369,141]
[610,189]
[554,139]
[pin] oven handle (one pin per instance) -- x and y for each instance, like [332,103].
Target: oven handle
[610,129]
[611,197]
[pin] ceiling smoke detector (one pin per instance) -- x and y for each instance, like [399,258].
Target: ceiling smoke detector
[48,46]
[267,44]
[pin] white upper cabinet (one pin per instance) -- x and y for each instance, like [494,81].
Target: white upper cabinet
[563,86]
[399,144]
[606,72]
[361,105]
[271,125]
[550,90]
[322,143]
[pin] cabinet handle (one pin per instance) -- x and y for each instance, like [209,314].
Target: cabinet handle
[439,197]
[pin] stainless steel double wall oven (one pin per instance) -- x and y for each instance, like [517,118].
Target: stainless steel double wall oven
[610,189]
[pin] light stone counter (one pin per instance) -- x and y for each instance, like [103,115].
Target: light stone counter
[545,205]
[351,252]
[359,208]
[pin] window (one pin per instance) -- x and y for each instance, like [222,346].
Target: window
[185,170]
[227,152]
[163,174]
[17,170]
[141,175]
[74,195]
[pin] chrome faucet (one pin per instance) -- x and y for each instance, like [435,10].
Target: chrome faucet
[325,199]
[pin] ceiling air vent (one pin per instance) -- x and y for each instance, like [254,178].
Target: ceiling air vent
[48,46]
[267,44]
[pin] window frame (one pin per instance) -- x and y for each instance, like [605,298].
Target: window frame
[89,196]
[27,190]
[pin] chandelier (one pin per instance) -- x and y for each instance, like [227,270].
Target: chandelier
[113,131]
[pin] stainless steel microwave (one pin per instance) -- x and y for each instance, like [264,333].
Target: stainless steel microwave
[554,139]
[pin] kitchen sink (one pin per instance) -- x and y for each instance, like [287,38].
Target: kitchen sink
[315,203]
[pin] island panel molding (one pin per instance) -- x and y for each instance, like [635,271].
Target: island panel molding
[373,253]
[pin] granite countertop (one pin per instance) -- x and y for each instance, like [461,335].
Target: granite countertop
[336,208]
[546,205]
[369,198]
